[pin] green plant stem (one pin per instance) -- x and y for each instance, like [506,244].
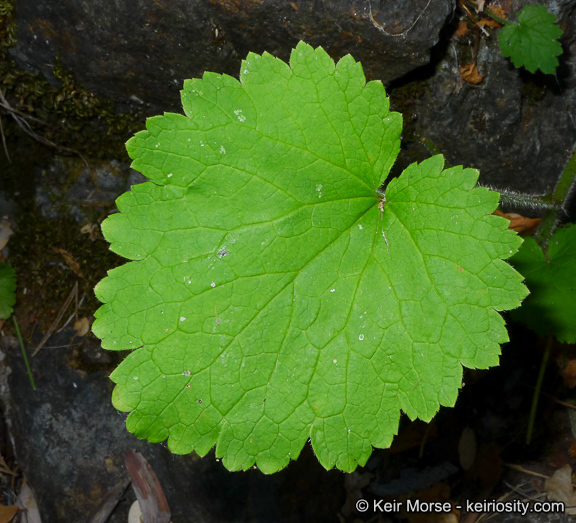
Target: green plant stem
[492,15]
[529,201]
[538,387]
[24,353]
[498,19]
[560,198]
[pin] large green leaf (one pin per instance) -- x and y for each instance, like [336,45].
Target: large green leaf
[533,42]
[550,308]
[7,290]
[276,296]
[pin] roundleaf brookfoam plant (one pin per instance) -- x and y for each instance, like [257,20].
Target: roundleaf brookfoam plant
[275,293]
[532,42]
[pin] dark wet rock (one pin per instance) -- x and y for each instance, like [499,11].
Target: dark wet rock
[70,442]
[517,128]
[84,187]
[142,50]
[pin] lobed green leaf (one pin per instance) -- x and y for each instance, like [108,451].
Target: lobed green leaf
[275,296]
[533,42]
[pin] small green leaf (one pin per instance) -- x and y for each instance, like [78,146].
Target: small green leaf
[7,290]
[533,42]
[277,296]
[550,307]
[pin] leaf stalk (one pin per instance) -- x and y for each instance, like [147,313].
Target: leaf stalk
[559,198]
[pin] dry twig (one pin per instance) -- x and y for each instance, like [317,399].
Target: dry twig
[73,294]
[21,120]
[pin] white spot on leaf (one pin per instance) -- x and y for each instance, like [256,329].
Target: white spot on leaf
[238,113]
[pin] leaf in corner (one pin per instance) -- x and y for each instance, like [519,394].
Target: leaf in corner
[7,290]
[533,41]
[552,283]
[274,295]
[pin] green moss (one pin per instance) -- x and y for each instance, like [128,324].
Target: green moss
[7,24]
[70,116]
[50,256]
